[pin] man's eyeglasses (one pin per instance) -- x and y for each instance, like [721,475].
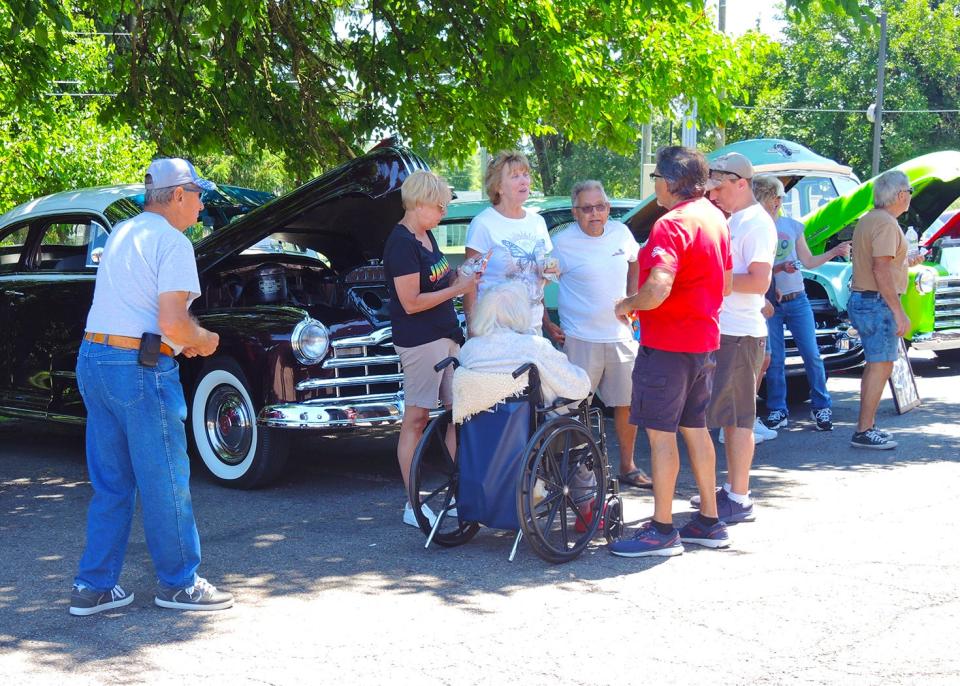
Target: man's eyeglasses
[654,176]
[192,189]
[590,209]
[908,189]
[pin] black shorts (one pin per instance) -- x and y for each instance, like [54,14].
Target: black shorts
[671,389]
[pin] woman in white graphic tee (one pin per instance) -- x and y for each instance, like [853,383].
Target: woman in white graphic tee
[517,237]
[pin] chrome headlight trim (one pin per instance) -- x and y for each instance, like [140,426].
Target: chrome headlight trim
[925,281]
[310,341]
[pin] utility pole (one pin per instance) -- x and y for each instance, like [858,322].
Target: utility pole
[722,27]
[878,106]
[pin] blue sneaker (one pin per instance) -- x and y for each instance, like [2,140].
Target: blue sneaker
[731,512]
[708,535]
[648,542]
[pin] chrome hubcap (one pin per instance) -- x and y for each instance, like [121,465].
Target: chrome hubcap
[229,423]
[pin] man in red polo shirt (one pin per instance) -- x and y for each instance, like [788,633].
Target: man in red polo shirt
[685,270]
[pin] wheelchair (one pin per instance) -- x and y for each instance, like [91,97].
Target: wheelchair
[518,467]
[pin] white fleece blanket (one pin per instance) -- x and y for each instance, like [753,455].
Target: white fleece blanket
[475,392]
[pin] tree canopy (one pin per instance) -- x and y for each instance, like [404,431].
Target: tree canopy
[827,62]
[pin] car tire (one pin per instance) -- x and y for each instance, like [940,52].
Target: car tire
[951,355]
[223,432]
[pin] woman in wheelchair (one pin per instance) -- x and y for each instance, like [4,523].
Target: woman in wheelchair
[499,343]
[517,465]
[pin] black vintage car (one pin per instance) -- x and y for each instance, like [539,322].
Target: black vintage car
[295,289]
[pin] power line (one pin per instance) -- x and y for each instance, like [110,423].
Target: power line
[842,111]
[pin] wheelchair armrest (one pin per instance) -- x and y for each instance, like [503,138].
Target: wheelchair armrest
[446,362]
[523,369]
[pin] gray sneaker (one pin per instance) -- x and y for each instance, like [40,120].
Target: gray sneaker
[201,596]
[86,601]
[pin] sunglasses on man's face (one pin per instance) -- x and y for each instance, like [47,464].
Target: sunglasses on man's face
[590,209]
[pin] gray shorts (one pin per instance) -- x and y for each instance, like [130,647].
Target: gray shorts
[609,366]
[422,385]
[734,398]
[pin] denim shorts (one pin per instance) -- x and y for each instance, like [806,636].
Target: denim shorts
[874,321]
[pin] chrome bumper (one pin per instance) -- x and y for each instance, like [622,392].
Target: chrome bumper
[938,340]
[324,414]
[365,412]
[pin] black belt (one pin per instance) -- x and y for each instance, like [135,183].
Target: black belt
[869,294]
[787,297]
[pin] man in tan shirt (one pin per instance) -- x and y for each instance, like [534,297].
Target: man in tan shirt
[879,279]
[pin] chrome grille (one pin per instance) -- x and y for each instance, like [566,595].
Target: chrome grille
[947,303]
[363,367]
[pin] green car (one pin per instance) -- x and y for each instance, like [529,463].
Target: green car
[811,181]
[932,300]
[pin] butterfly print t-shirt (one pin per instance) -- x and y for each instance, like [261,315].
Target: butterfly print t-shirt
[517,245]
[403,254]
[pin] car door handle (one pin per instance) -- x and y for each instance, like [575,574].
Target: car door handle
[15,294]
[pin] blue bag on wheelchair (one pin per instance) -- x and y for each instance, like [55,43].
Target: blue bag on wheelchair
[491,447]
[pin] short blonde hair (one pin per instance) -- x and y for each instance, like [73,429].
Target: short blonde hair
[766,187]
[511,159]
[424,188]
[504,307]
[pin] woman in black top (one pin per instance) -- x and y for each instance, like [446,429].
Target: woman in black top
[425,326]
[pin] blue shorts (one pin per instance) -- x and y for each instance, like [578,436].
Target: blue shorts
[874,321]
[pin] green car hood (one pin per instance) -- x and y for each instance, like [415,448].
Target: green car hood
[788,160]
[936,184]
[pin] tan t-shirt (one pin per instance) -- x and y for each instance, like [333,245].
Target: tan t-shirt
[878,235]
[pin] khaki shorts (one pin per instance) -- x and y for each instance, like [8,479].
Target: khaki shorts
[422,385]
[609,366]
[734,398]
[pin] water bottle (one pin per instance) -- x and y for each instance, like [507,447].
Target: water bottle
[634,325]
[913,242]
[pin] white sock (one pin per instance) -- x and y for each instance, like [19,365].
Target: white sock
[743,500]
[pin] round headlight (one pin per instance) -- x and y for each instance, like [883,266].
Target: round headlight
[925,281]
[310,341]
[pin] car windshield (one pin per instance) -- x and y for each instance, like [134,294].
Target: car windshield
[221,207]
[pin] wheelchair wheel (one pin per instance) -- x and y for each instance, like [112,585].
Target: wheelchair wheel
[561,490]
[613,519]
[433,482]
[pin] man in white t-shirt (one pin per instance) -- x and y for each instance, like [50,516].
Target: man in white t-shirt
[136,442]
[743,329]
[598,266]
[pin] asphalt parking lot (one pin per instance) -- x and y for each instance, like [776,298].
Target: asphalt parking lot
[849,575]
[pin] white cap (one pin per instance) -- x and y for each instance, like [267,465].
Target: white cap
[167,172]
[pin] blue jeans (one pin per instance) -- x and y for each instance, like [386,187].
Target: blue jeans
[798,316]
[136,442]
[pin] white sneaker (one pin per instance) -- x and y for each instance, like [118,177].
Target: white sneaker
[762,433]
[768,435]
[411,520]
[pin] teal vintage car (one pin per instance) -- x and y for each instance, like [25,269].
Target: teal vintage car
[811,181]
[932,300]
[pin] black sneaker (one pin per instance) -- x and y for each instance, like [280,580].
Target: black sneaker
[883,434]
[86,601]
[824,419]
[201,596]
[873,439]
[777,419]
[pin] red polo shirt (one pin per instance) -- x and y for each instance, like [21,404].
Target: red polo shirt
[693,241]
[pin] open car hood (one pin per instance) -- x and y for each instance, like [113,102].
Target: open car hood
[950,229]
[785,159]
[936,184]
[345,214]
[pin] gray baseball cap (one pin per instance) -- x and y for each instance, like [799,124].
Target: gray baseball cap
[731,163]
[167,172]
